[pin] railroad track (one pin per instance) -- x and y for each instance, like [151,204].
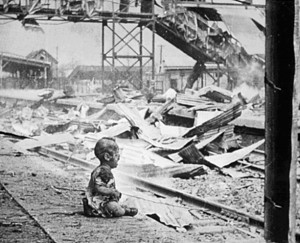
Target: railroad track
[15,219]
[212,218]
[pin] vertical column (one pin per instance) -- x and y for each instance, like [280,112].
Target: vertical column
[113,51]
[104,23]
[153,41]
[295,143]
[280,124]
[141,57]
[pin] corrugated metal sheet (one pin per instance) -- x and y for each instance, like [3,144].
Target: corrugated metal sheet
[169,212]
[221,160]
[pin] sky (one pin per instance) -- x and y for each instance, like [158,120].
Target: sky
[77,42]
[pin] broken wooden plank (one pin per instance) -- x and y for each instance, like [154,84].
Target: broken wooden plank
[220,120]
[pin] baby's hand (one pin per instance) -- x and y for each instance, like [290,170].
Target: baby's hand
[116,194]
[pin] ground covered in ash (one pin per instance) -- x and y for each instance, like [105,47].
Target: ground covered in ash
[244,194]
[16,225]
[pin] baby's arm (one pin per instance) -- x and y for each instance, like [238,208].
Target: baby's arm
[112,192]
[106,188]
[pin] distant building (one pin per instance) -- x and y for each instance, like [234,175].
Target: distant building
[34,71]
[43,55]
[84,77]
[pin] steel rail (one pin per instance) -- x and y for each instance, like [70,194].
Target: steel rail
[190,199]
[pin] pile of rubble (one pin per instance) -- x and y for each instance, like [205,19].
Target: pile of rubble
[185,133]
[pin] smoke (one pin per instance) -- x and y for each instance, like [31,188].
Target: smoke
[252,74]
[248,91]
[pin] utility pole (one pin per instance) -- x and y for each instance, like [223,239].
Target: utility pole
[295,143]
[57,81]
[160,58]
[280,123]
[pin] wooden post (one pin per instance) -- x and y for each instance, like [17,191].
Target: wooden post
[1,71]
[295,143]
[280,127]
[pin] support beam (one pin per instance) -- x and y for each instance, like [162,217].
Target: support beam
[129,53]
[280,123]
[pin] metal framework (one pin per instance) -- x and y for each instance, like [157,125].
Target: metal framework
[128,55]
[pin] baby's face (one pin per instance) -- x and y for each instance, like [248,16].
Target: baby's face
[115,158]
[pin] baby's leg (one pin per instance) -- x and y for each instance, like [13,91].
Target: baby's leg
[115,209]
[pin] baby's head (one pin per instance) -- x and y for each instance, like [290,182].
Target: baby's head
[107,151]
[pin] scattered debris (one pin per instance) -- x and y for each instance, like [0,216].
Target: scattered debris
[188,127]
